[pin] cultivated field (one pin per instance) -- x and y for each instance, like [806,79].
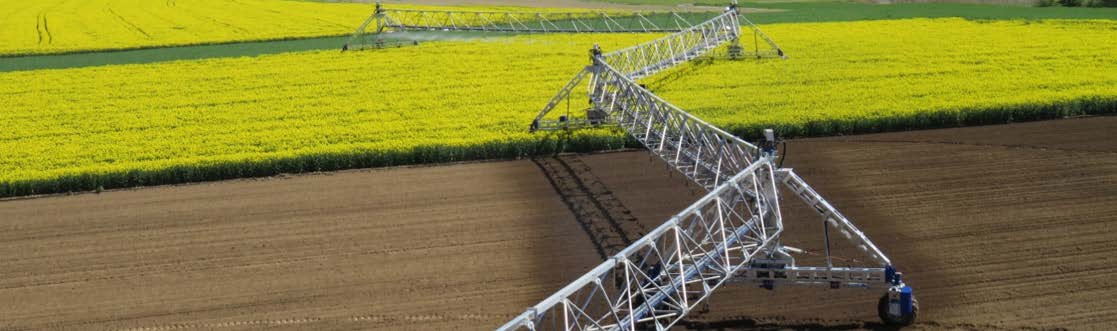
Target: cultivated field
[189,165]
[1002,227]
[188,121]
[57,26]
[876,76]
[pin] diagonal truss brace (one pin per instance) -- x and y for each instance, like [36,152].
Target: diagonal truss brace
[648,59]
[782,269]
[704,153]
[831,215]
[758,35]
[732,234]
[657,280]
[387,20]
[525,22]
[652,57]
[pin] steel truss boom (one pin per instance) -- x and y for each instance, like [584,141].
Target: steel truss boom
[386,20]
[704,153]
[660,278]
[651,57]
[731,234]
[648,59]
[528,22]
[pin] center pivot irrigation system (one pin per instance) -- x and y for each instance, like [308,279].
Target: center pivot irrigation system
[733,234]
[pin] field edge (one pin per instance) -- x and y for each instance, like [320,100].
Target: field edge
[584,142]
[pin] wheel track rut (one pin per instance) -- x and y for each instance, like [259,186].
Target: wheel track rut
[128,24]
[43,30]
[605,219]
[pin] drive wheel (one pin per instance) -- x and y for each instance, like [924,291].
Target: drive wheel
[888,319]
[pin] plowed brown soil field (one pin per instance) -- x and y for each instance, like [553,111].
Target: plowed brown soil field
[1004,227]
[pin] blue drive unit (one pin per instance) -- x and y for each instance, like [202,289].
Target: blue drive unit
[906,306]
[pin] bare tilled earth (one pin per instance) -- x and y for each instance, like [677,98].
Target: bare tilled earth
[1003,227]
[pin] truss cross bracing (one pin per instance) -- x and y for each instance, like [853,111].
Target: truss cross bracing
[528,22]
[670,271]
[385,20]
[645,60]
[649,58]
[730,235]
[370,34]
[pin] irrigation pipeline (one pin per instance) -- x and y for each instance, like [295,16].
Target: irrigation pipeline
[662,268]
[400,20]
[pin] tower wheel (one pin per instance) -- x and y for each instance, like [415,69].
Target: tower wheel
[894,312]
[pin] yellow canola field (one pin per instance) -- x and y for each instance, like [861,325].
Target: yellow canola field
[61,26]
[120,126]
[58,26]
[129,125]
[905,74]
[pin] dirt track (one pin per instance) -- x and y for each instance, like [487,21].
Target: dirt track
[1004,227]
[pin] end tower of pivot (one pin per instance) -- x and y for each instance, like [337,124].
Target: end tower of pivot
[378,16]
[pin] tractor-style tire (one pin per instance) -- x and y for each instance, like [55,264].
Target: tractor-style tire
[906,320]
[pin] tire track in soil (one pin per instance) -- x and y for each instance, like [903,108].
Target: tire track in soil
[186,10]
[39,25]
[46,29]
[38,28]
[605,219]
[127,23]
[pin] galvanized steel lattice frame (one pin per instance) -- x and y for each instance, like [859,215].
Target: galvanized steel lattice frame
[386,19]
[704,153]
[647,59]
[525,22]
[730,234]
[670,271]
[651,57]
